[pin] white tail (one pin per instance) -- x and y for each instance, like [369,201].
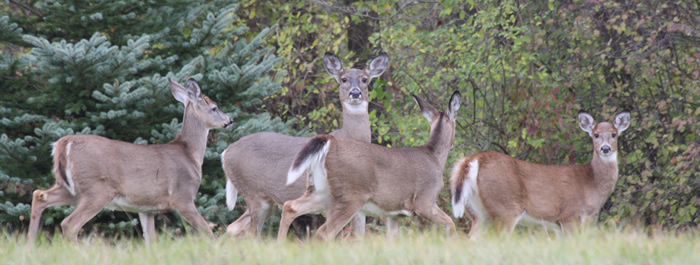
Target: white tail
[491,185]
[311,156]
[231,195]
[94,172]
[231,191]
[468,188]
[258,164]
[348,177]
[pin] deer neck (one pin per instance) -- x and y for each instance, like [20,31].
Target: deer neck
[355,122]
[440,143]
[193,135]
[605,172]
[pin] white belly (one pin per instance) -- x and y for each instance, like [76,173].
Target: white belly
[373,210]
[120,203]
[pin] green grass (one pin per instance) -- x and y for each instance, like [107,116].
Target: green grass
[591,247]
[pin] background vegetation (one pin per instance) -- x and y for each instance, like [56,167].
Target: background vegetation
[525,68]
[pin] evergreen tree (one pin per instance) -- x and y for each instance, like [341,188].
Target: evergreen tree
[101,67]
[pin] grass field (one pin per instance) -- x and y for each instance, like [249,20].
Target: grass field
[591,247]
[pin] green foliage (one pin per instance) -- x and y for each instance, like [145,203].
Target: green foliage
[528,68]
[98,80]
[304,32]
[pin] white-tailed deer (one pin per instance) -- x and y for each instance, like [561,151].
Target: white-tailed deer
[94,172]
[491,185]
[257,164]
[348,176]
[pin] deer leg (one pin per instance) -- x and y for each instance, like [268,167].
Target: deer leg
[475,228]
[358,224]
[189,211]
[506,223]
[322,228]
[308,203]
[87,208]
[148,226]
[262,216]
[341,214]
[238,227]
[436,215]
[567,227]
[41,199]
[256,211]
[392,227]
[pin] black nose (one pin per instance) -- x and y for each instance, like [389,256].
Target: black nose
[229,123]
[355,93]
[605,149]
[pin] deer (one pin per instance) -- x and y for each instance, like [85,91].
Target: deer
[492,186]
[95,173]
[347,176]
[257,164]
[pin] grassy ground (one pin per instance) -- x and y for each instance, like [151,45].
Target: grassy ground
[591,247]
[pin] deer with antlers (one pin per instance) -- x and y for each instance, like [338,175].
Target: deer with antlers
[93,172]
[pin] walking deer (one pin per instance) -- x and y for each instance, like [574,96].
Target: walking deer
[348,176]
[94,172]
[256,165]
[491,185]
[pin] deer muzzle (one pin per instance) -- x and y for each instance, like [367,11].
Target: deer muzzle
[355,94]
[228,123]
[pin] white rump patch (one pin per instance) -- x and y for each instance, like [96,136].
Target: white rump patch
[231,195]
[314,161]
[458,206]
[223,163]
[231,191]
[53,148]
[474,200]
[69,171]
[470,194]
[318,173]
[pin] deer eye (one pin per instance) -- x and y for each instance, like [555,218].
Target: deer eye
[614,134]
[344,80]
[596,135]
[214,108]
[364,80]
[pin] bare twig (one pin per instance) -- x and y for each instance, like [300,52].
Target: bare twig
[26,7]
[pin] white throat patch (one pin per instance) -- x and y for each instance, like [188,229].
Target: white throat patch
[356,108]
[609,158]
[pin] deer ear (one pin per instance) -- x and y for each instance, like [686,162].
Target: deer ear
[622,121]
[179,92]
[378,66]
[428,110]
[586,122]
[333,65]
[194,92]
[455,102]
